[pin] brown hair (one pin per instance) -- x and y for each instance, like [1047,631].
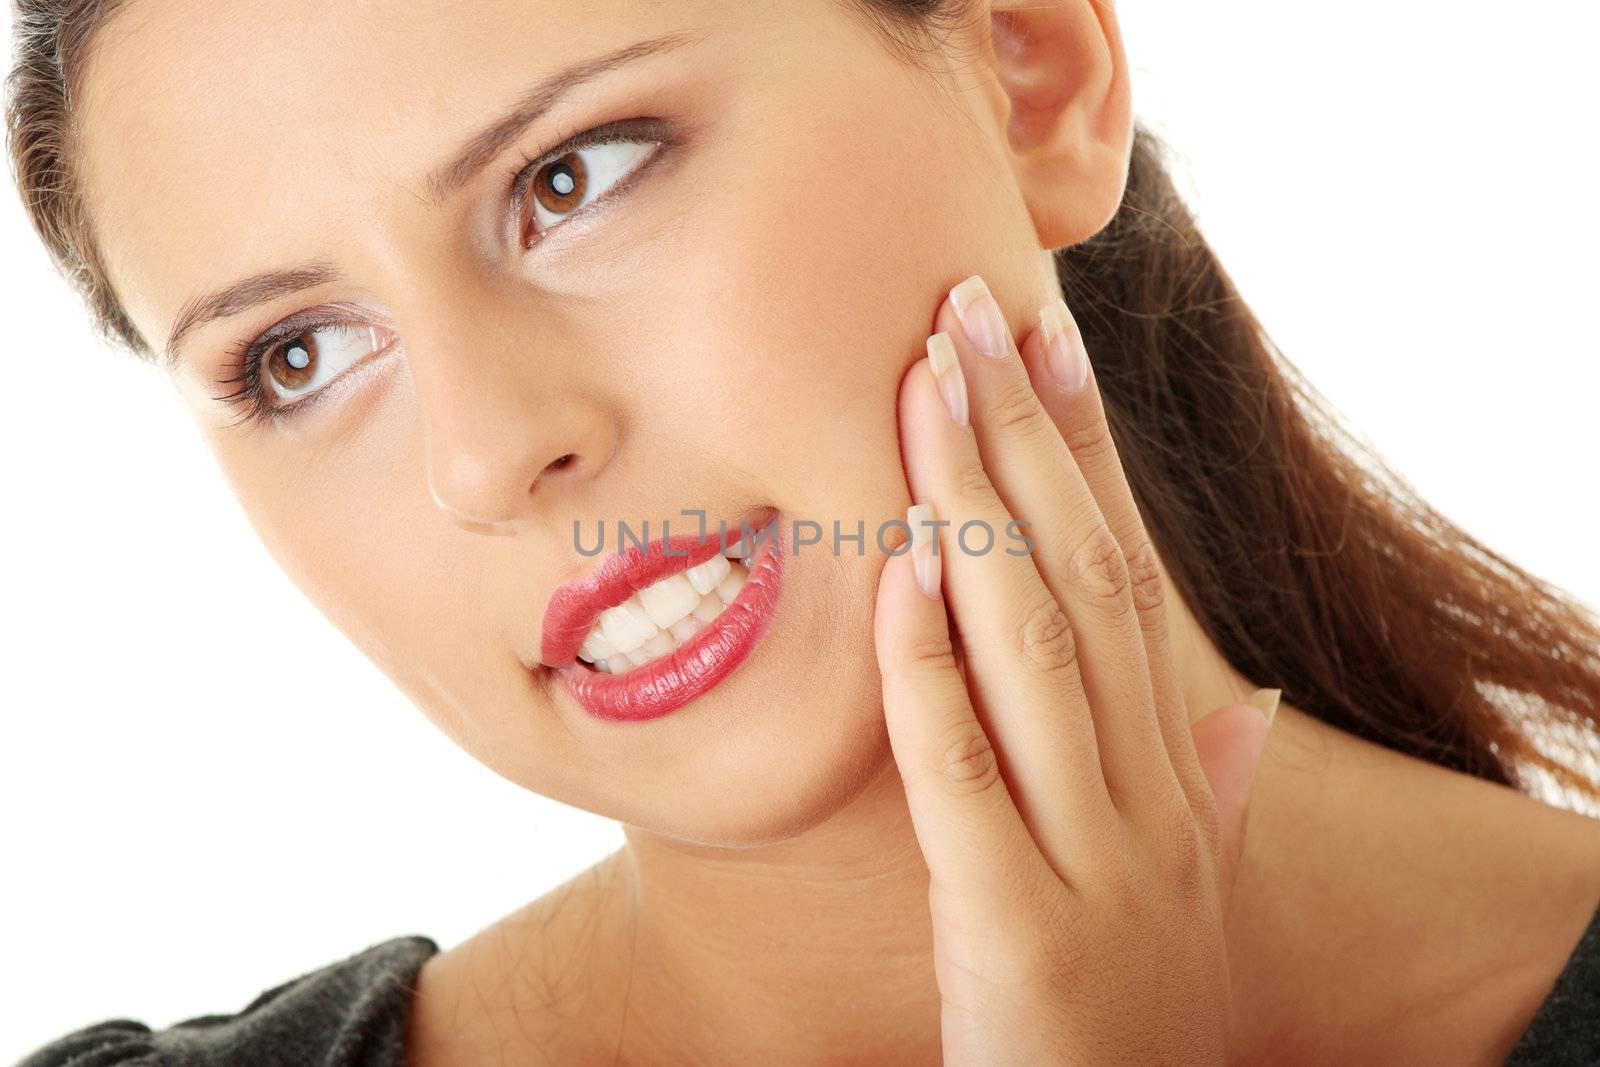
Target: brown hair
[1309,563]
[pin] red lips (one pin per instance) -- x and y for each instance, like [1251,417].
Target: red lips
[671,680]
[575,607]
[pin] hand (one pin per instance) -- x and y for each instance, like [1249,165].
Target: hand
[1082,841]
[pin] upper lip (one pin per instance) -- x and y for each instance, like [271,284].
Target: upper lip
[575,606]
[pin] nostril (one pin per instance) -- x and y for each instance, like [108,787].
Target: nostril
[555,472]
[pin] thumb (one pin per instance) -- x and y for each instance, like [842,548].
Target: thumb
[1228,742]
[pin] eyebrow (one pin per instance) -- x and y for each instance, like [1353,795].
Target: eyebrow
[474,155]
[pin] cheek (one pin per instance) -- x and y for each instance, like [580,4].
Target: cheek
[826,265]
[441,613]
[771,347]
[353,527]
[332,518]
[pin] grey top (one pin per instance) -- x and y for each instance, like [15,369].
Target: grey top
[353,1014]
[1566,1028]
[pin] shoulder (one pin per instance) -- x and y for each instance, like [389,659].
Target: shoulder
[350,1013]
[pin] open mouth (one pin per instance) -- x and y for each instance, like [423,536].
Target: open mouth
[665,615]
[655,626]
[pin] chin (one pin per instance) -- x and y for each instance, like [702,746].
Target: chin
[763,787]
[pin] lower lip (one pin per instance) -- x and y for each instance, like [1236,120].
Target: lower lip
[668,682]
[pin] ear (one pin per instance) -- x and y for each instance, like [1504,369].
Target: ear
[1063,85]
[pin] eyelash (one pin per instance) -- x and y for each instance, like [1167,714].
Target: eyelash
[655,131]
[245,358]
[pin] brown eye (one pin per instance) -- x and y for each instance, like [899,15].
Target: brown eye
[560,186]
[293,364]
[571,183]
[303,364]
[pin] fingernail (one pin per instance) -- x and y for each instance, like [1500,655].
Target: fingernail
[947,371]
[925,563]
[1065,356]
[980,318]
[1267,701]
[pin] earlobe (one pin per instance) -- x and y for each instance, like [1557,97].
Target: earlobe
[1069,121]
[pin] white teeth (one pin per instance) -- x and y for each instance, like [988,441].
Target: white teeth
[708,608]
[596,648]
[730,586]
[662,616]
[627,626]
[669,600]
[686,628]
[705,577]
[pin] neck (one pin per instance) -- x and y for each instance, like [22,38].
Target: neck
[820,944]
[1361,870]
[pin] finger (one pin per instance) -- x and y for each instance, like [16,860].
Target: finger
[1229,742]
[977,848]
[1076,554]
[1020,661]
[1064,379]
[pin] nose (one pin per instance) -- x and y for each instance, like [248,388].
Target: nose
[511,429]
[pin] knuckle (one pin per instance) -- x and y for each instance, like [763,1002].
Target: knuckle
[1090,442]
[967,761]
[1100,572]
[1046,637]
[1015,409]
[929,653]
[971,480]
[1144,578]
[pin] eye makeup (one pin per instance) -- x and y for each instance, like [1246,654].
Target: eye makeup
[246,359]
[657,131]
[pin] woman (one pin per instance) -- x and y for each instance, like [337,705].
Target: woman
[477,287]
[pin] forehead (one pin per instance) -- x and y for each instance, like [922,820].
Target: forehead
[217,139]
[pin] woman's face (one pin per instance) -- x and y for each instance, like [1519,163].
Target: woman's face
[722,325]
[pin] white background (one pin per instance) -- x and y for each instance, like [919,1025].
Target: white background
[1405,192]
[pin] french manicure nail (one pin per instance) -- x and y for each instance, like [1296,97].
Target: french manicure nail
[980,317]
[1065,356]
[925,563]
[947,372]
[1267,700]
